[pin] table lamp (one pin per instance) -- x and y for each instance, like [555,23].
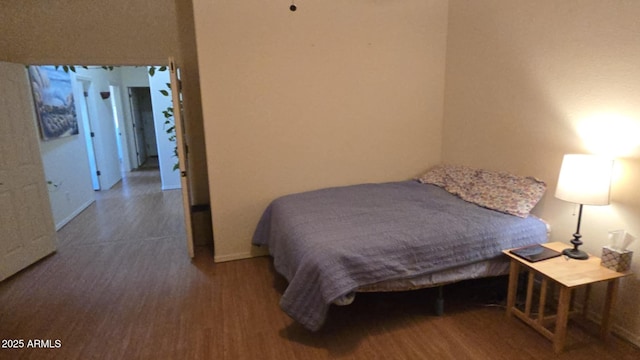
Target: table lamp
[584,180]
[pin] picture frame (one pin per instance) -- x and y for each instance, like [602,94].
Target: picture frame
[53,101]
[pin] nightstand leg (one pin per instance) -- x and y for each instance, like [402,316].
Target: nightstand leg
[514,271]
[561,319]
[612,292]
[527,305]
[585,306]
[542,302]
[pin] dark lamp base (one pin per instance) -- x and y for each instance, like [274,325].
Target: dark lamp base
[575,254]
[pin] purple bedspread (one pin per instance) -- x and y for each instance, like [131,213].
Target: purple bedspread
[329,242]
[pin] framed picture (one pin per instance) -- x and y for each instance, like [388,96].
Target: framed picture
[53,98]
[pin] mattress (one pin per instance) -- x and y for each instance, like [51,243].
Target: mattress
[481,269]
[332,242]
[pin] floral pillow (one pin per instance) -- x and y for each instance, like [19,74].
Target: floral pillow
[495,190]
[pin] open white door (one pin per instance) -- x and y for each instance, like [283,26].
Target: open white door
[182,149]
[28,232]
[138,129]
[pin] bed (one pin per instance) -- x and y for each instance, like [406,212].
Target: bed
[450,224]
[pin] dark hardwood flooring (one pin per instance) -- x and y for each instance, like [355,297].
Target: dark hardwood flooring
[122,287]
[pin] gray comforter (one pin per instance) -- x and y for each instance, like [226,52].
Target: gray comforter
[329,242]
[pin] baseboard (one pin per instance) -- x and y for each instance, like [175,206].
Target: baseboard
[627,335]
[231,257]
[616,329]
[172,187]
[66,220]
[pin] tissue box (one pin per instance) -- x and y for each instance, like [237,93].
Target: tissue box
[617,260]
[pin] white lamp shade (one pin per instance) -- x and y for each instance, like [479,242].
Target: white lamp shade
[585,179]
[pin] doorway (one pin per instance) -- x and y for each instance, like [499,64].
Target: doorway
[144,131]
[85,119]
[119,132]
[64,159]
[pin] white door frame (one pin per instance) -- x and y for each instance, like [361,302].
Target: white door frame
[86,115]
[176,95]
[121,128]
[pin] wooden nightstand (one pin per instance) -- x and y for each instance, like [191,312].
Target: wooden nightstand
[569,274]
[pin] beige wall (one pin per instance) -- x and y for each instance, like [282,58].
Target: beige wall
[88,32]
[336,93]
[524,79]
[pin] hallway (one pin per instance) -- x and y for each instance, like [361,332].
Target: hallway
[135,210]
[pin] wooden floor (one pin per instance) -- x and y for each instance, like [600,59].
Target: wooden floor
[122,287]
